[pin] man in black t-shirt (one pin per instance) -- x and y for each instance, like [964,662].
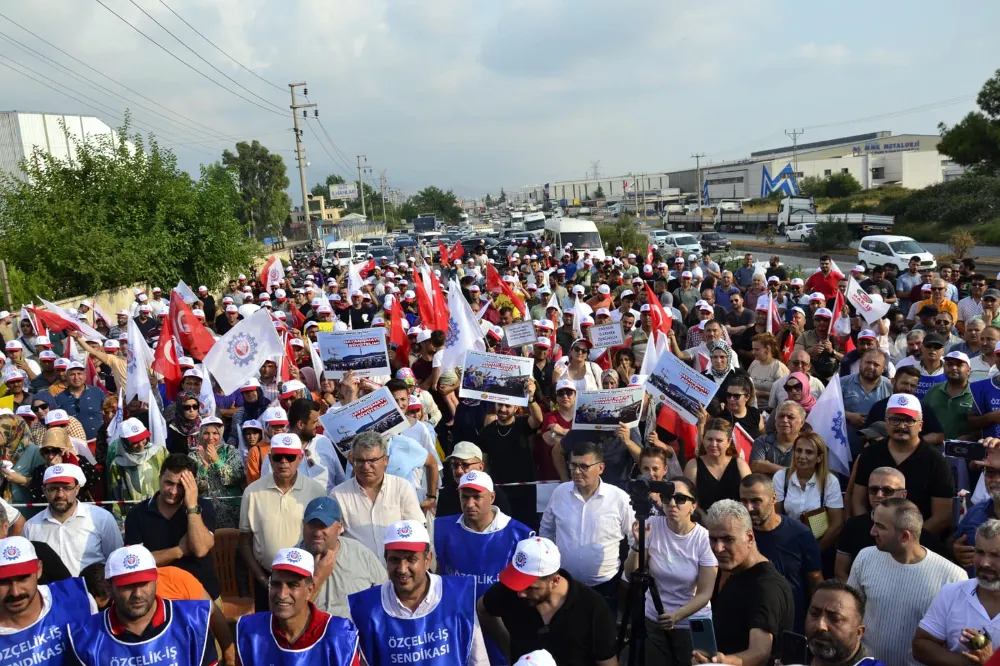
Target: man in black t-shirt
[906,380]
[882,286]
[507,444]
[754,606]
[465,457]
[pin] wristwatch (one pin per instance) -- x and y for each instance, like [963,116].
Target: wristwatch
[194,510]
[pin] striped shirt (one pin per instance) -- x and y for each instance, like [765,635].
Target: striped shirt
[898,596]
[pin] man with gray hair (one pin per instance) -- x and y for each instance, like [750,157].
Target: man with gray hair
[900,578]
[955,626]
[772,451]
[372,500]
[755,606]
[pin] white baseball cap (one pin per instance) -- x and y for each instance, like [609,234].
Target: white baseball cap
[274,416]
[407,535]
[958,356]
[544,342]
[130,564]
[17,557]
[903,403]
[250,385]
[797,282]
[477,481]
[294,560]
[134,431]
[867,334]
[286,442]
[534,558]
[424,336]
[64,473]
[291,387]
[604,289]
[56,417]
[565,384]
[536,658]
[823,312]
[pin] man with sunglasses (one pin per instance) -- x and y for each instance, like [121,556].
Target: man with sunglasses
[972,305]
[272,509]
[465,457]
[929,481]
[930,362]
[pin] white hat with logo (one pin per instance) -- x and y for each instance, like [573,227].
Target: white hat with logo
[129,565]
[477,481]
[134,431]
[407,535]
[534,558]
[295,560]
[17,557]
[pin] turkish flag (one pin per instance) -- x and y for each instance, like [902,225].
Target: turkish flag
[428,315]
[442,316]
[165,358]
[443,249]
[686,433]
[366,268]
[397,336]
[662,321]
[787,347]
[743,441]
[273,273]
[457,252]
[298,319]
[493,282]
[650,253]
[193,335]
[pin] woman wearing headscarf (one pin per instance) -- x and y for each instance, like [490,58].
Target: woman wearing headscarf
[721,370]
[253,408]
[17,447]
[220,471]
[135,471]
[182,431]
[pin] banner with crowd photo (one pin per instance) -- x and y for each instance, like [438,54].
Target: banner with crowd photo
[496,377]
[362,352]
[375,412]
[683,388]
[607,409]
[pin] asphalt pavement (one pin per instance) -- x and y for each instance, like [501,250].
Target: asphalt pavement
[979,251]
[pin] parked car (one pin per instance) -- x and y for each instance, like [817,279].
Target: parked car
[713,241]
[800,232]
[887,249]
[667,242]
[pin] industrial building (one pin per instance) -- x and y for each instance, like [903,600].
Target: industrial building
[651,187]
[23,135]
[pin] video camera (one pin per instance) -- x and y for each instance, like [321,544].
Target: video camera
[638,490]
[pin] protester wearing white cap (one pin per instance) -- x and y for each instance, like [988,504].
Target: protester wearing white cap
[80,533]
[33,614]
[293,625]
[319,459]
[271,511]
[952,400]
[851,363]
[537,604]
[139,623]
[440,611]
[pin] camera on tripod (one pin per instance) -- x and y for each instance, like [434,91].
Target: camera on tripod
[638,490]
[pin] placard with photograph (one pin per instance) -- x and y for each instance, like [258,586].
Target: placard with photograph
[362,351]
[496,377]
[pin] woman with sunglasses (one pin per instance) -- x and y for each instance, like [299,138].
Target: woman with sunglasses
[739,407]
[56,449]
[680,559]
[717,470]
[182,432]
[585,375]
[551,464]
[721,370]
[220,471]
[765,368]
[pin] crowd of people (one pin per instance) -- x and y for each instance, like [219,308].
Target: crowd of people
[487,533]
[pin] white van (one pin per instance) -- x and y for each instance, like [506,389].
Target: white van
[897,250]
[340,250]
[583,234]
[534,223]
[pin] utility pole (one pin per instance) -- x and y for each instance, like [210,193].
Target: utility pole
[361,185]
[381,187]
[795,147]
[697,165]
[298,152]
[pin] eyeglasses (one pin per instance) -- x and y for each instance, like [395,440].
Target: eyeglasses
[50,451]
[465,464]
[361,462]
[283,457]
[900,421]
[793,387]
[580,350]
[565,393]
[885,491]
[734,396]
[943,322]
[581,467]
[679,499]
[937,289]
[190,408]
[39,408]
[799,363]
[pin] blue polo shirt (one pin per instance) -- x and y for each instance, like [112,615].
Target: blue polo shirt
[722,296]
[86,409]
[857,399]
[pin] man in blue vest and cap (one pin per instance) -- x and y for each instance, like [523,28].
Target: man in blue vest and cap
[33,617]
[417,616]
[478,543]
[294,632]
[138,625]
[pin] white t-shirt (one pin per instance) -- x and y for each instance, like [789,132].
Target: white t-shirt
[957,606]
[674,561]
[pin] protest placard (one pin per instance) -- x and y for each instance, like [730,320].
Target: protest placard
[520,333]
[607,335]
[607,409]
[862,301]
[362,351]
[376,411]
[496,377]
[675,383]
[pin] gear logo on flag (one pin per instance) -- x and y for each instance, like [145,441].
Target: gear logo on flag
[11,553]
[242,349]
[451,335]
[131,561]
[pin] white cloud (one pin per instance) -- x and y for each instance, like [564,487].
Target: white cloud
[828,54]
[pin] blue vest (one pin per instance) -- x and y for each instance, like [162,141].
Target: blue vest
[481,556]
[255,644]
[45,642]
[443,637]
[926,382]
[182,642]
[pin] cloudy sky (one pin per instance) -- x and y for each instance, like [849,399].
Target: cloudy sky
[478,94]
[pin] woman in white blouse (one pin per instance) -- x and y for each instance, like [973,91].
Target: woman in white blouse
[807,484]
[682,563]
[765,368]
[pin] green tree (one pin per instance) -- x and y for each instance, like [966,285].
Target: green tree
[433,200]
[840,185]
[261,179]
[120,212]
[599,192]
[975,141]
[489,200]
[811,186]
[503,196]
[323,190]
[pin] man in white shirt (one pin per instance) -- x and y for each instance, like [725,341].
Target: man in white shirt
[900,578]
[440,611]
[964,609]
[985,365]
[81,534]
[372,500]
[587,519]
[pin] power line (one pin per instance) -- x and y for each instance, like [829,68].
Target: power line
[116,82]
[340,162]
[217,48]
[930,106]
[189,65]
[332,142]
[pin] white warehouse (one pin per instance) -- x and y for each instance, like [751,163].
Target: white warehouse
[24,134]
